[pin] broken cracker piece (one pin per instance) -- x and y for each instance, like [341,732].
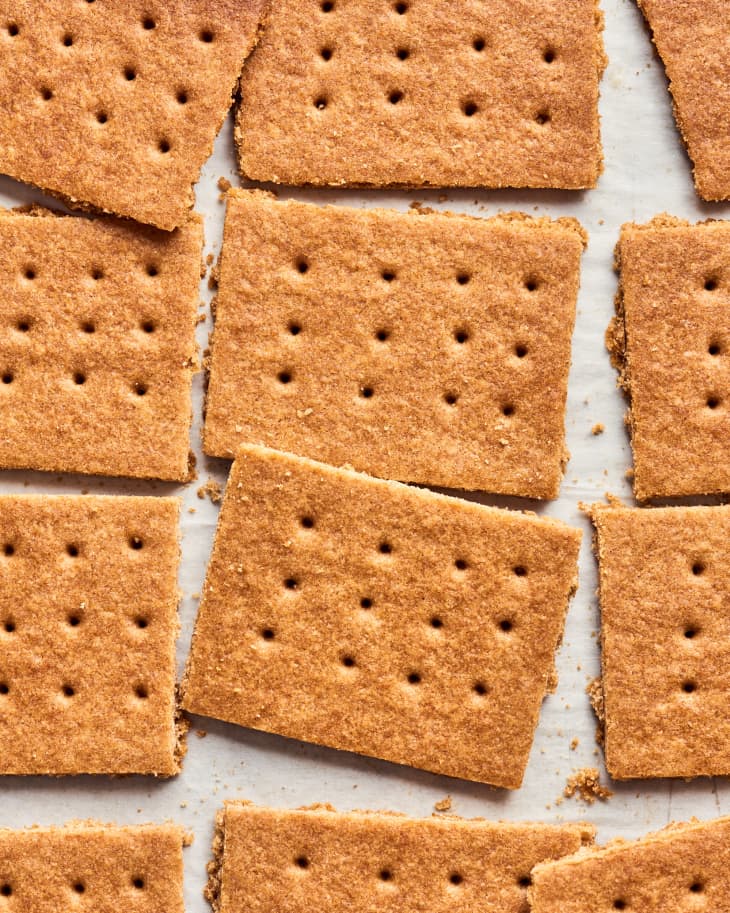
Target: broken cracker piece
[360,614]
[426,348]
[88,623]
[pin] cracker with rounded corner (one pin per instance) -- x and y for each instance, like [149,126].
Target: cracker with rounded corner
[88,624]
[115,106]
[430,348]
[317,858]
[381,619]
[98,349]
[385,93]
[691,38]
[670,341]
[97,867]
[686,866]
[664,584]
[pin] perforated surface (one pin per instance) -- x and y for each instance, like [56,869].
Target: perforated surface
[115,103]
[92,867]
[297,861]
[665,633]
[88,622]
[372,617]
[323,345]
[504,94]
[97,349]
[671,340]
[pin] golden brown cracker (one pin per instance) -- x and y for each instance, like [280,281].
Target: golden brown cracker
[382,93]
[91,866]
[312,859]
[670,341]
[684,867]
[98,346]
[665,634]
[691,38]
[116,105]
[427,348]
[377,618]
[88,623]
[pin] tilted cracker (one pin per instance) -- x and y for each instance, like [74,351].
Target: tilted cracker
[691,38]
[88,623]
[670,341]
[98,348]
[116,105]
[317,858]
[384,93]
[665,632]
[377,618]
[430,348]
[96,867]
[683,867]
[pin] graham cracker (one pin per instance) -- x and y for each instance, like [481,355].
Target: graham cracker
[92,866]
[683,867]
[670,342]
[116,105]
[430,348]
[381,619]
[98,349]
[366,92]
[665,634]
[319,859]
[88,622]
[691,39]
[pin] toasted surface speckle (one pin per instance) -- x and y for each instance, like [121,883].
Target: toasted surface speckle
[670,341]
[684,867]
[88,622]
[367,92]
[427,348]
[116,105]
[93,866]
[691,38]
[98,348]
[377,618]
[664,577]
[314,859]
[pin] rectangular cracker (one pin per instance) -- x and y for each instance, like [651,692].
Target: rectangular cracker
[683,867]
[88,623]
[377,618]
[116,105]
[91,866]
[367,92]
[665,634]
[98,348]
[670,341]
[691,38]
[319,859]
[430,348]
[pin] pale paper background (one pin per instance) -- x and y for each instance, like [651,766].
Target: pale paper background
[647,172]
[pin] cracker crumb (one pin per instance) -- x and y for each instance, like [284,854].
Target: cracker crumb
[586,784]
[597,429]
[443,805]
[212,489]
[201,733]
[224,185]
[575,742]
[209,260]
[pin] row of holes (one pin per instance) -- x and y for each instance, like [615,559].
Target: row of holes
[6,890]
[468,107]
[206,36]
[73,620]
[462,277]
[697,887]
[79,378]
[367,603]
[385,874]
[402,53]
[86,326]
[69,691]
[136,543]
[31,272]
[461,335]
